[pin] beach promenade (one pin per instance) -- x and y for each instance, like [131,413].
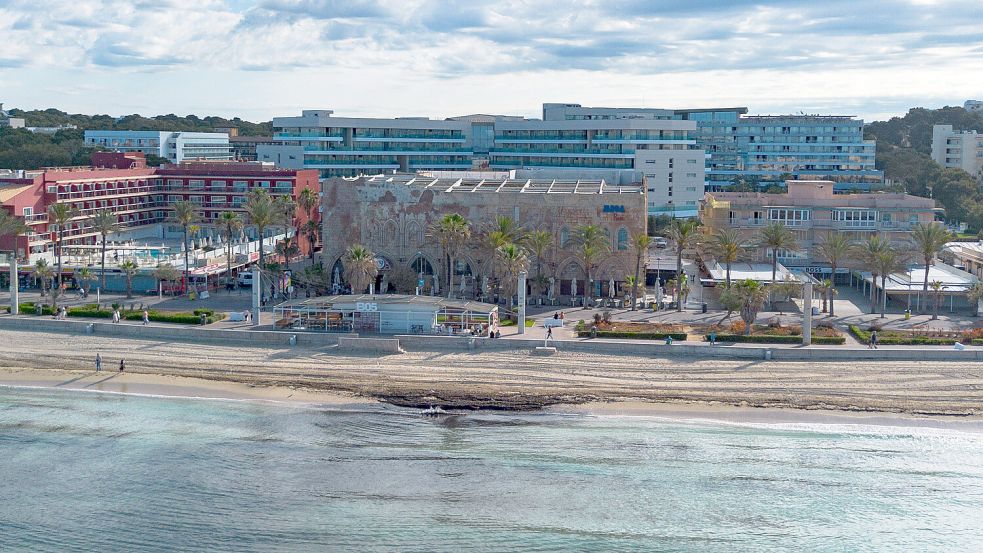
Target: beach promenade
[506,375]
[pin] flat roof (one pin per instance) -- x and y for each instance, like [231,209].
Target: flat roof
[436,302]
[743,271]
[505,185]
[952,279]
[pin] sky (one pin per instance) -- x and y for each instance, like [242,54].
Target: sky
[373,58]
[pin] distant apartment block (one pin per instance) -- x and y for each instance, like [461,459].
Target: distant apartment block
[958,149]
[761,149]
[974,106]
[813,212]
[175,147]
[10,122]
[620,151]
[244,147]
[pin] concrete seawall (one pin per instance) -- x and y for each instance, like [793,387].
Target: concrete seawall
[423,343]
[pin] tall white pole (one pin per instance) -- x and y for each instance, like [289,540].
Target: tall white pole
[522,302]
[807,314]
[14,299]
[257,290]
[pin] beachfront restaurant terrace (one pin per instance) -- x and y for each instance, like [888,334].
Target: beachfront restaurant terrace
[386,314]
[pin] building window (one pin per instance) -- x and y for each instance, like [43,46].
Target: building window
[564,237]
[855,218]
[218,185]
[196,184]
[789,217]
[28,211]
[622,239]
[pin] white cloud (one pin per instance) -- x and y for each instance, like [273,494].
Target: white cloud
[369,57]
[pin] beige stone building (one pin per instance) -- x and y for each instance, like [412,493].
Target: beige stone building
[813,211]
[391,215]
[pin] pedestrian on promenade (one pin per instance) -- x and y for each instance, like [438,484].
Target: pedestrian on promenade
[122,365]
[713,338]
[146,317]
[873,339]
[561,316]
[549,333]
[668,340]
[115,315]
[98,362]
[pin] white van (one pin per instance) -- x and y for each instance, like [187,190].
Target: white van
[246,279]
[661,242]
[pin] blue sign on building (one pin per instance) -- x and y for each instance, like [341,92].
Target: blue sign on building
[614,209]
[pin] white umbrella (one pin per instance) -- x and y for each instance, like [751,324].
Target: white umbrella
[611,288]
[484,285]
[573,286]
[552,289]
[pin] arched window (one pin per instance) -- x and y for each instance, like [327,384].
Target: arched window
[622,239]
[564,237]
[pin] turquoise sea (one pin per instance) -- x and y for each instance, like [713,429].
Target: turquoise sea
[106,472]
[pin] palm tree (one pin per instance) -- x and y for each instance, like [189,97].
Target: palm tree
[888,262]
[287,210]
[60,215]
[451,232]
[591,243]
[262,214]
[824,288]
[867,253]
[974,294]
[937,288]
[231,227]
[509,229]
[309,201]
[185,214]
[776,236]
[538,242]
[84,276]
[514,260]
[129,268]
[685,234]
[752,295]
[11,226]
[640,244]
[42,272]
[360,267]
[928,240]
[726,246]
[834,249]
[104,222]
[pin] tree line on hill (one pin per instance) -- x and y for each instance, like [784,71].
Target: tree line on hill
[904,148]
[22,149]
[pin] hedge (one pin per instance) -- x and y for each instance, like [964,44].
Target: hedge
[773,339]
[678,336]
[977,341]
[889,340]
[157,316]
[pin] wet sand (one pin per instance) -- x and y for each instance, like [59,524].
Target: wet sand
[510,380]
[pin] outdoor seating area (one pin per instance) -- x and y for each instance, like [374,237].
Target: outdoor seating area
[387,314]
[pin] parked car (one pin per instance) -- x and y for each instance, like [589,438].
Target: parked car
[246,279]
[660,242]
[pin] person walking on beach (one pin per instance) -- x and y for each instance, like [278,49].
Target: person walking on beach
[873,339]
[98,362]
[122,365]
[146,317]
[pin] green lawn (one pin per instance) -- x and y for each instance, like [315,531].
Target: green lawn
[509,322]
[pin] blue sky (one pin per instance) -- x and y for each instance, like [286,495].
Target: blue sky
[262,58]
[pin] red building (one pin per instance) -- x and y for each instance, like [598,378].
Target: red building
[139,195]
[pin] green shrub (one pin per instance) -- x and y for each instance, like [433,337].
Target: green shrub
[892,338]
[756,339]
[90,313]
[206,312]
[678,336]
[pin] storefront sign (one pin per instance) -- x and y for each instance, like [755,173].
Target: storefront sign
[366,306]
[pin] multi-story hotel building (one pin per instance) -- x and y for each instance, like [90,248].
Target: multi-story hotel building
[813,212]
[619,151]
[391,215]
[140,196]
[775,148]
[175,147]
[958,149]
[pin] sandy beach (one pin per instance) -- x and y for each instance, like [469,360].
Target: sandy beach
[499,380]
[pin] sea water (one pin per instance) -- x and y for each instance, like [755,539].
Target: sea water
[107,472]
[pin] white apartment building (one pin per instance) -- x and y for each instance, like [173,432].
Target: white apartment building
[958,149]
[621,150]
[973,105]
[174,146]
